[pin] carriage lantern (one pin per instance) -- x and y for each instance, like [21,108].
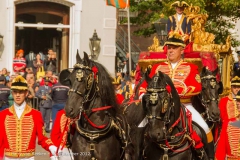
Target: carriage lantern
[94,45]
[161,28]
[1,43]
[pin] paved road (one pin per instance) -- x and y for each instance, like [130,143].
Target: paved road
[41,154]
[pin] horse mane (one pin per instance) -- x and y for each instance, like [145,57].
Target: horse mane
[176,98]
[106,89]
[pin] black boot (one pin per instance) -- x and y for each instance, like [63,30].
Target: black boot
[210,150]
[201,154]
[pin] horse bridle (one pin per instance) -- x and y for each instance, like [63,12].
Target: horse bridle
[213,84]
[154,100]
[91,82]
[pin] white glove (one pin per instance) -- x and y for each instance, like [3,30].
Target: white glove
[53,150]
[53,158]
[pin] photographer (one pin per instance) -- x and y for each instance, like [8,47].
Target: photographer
[49,76]
[51,61]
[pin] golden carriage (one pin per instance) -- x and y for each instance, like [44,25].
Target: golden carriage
[201,48]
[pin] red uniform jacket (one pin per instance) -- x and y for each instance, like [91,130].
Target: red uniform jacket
[185,77]
[60,128]
[228,144]
[18,136]
[228,109]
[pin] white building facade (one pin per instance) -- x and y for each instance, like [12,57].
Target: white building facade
[64,25]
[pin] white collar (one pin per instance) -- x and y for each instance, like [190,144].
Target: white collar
[174,65]
[19,107]
[179,16]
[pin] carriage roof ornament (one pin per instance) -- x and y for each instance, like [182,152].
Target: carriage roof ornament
[94,45]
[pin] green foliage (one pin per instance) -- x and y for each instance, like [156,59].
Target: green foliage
[149,11]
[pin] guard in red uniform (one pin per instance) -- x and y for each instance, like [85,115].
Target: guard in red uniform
[59,136]
[227,104]
[117,84]
[186,79]
[21,126]
[229,142]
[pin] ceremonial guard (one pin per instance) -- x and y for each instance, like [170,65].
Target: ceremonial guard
[186,79]
[118,91]
[45,106]
[179,22]
[128,89]
[228,147]
[59,136]
[4,93]
[21,126]
[227,104]
[59,97]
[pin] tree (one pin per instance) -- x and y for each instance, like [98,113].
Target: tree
[222,16]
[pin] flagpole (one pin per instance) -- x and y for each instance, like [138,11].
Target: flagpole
[129,40]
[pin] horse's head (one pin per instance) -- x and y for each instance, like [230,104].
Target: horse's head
[82,80]
[210,93]
[159,105]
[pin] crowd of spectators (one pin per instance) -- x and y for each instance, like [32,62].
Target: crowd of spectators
[44,91]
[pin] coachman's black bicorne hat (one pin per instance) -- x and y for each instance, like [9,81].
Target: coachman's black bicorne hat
[179,4]
[175,38]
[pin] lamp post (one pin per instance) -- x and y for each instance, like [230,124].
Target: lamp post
[161,28]
[1,45]
[94,46]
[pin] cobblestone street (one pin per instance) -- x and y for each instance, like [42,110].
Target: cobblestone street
[42,154]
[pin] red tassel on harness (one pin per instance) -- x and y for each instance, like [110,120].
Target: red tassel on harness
[95,71]
[168,88]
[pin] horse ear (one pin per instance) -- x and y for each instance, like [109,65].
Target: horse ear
[79,60]
[86,59]
[148,71]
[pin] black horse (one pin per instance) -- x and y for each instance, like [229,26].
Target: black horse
[133,111]
[169,127]
[92,102]
[207,101]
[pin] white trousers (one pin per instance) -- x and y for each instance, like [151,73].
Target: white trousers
[196,117]
[10,158]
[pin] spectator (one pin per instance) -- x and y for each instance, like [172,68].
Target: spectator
[19,63]
[51,61]
[5,73]
[30,59]
[59,96]
[49,76]
[4,93]
[44,93]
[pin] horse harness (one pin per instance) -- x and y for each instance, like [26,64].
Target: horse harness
[213,84]
[114,123]
[182,137]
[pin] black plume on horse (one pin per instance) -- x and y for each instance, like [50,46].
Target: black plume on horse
[93,103]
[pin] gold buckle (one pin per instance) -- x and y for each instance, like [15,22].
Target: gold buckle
[92,146]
